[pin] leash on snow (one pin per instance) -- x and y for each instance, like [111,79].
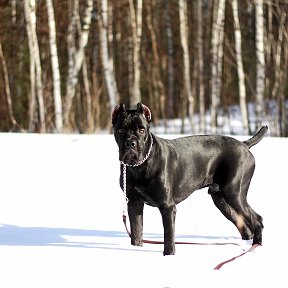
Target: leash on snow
[218,266]
[176,242]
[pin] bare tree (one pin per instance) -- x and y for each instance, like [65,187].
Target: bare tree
[268,45]
[186,58]
[136,24]
[278,89]
[55,67]
[155,73]
[170,59]
[260,67]
[240,69]
[200,66]
[7,88]
[107,60]
[35,66]
[72,78]
[87,88]
[217,58]
[278,56]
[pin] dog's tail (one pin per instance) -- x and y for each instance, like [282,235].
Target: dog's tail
[257,137]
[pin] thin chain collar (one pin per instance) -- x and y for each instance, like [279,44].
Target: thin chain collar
[125,176]
[144,159]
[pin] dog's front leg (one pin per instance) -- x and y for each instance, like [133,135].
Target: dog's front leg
[168,218]
[135,212]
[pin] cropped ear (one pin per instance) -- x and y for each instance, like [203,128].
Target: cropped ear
[143,109]
[120,108]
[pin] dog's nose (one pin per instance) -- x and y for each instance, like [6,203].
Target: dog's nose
[130,143]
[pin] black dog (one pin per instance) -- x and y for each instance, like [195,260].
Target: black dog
[162,173]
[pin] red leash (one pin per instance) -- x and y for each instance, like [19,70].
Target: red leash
[219,266]
[177,242]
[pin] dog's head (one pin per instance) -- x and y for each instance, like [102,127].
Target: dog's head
[131,132]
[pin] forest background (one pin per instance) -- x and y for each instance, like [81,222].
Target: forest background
[64,64]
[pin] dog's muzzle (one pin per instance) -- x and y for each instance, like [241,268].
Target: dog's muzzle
[133,156]
[130,152]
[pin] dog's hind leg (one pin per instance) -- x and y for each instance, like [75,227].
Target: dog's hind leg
[234,179]
[243,209]
[234,191]
[230,213]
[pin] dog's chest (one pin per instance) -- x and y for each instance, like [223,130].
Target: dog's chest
[142,192]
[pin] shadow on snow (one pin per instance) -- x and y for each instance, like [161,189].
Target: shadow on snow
[12,235]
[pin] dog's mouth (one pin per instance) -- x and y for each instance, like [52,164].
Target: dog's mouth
[130,157]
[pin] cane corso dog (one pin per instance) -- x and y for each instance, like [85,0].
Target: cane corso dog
[162,173]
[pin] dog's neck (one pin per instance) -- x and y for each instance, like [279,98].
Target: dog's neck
[144,159]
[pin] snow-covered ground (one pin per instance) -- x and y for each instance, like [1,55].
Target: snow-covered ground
[61,221]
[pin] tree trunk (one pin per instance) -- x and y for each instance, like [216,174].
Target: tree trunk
[186,59]
[32,98]
[282,100]
[89,119]
[95,86]
[72,78]
[217,58]
[268,48]
[136,24]
[260,67]
[7,89]
[55,67]
[278,56]
[13,10]
[278,91]
[170,60]
[240,70]
[200,66]
[107,60]
[156,73]
[35,65]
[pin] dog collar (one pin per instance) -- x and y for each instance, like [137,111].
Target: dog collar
[144,159]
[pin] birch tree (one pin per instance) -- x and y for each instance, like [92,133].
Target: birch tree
[72,78]
[217,58]
[186,58]
[240,70]
[107,60]
[260,66]
[35,66]
[200,66]
[7,89]
[55,67]
[136,25]
[170,59]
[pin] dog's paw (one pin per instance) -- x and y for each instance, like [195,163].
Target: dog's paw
[169,251]
[136,242]
[246,233]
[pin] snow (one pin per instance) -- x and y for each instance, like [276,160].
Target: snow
[61,221]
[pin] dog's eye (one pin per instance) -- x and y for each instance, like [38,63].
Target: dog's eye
[120,131]
[141,130]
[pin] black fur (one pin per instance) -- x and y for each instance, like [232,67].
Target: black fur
[176,168]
